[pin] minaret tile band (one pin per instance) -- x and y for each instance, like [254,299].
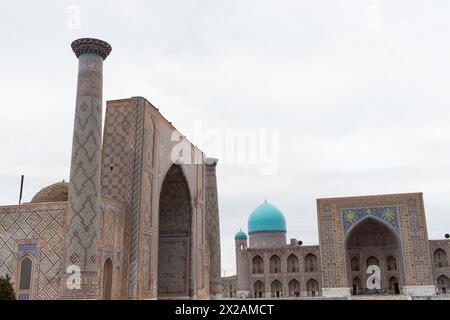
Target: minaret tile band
[84,189]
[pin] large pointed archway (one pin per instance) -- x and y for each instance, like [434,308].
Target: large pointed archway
[175,245]
[373,242]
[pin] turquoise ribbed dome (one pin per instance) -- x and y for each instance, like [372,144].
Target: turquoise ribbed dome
[240,235]
[266,217]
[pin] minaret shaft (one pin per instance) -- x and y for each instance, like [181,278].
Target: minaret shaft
[83,213]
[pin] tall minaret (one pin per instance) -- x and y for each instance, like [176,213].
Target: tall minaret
[242,265]
[213,230]
[82,218]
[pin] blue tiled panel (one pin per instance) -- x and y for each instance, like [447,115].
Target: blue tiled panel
[350,216]
[24,296]
[27,248]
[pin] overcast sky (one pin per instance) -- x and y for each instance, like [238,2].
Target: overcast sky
[358,91]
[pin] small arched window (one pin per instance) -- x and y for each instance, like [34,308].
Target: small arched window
[391,263]
[258,265]
[25,278]
[372,261]
[292,263]
[276,289]
[440,258]
[310,263]
[355,264]
[275,264]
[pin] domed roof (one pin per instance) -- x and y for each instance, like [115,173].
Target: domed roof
[266,217]
[53,193]
[240,235]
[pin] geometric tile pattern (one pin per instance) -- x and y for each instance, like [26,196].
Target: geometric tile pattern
[213,230]
[133,193]
[26,248]
[121,170]
[27,224]
[351,216]
[84,189]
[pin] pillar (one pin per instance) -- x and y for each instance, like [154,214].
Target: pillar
[213,227]
[82,219]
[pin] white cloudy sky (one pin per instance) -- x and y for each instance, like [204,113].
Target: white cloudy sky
[359,91]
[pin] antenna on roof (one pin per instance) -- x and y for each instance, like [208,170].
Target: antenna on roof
[21,189]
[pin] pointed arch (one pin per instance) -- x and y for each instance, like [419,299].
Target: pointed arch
[354,263]
[24,284]
[443,284]
[107,279]
[276,289]
[356,285]
[374,218]
[292,263]
[372,260]
[393,285]
[275,264]
[440,258]
[312,287]
[391,263]
[294,288]
[311,263]
[258,264]
[175,221]
[258,289]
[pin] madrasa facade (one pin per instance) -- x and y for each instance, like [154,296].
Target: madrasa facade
[138,218]
[368,245]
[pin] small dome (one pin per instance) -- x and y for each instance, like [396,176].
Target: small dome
[240,235]
[266,217]
[53,193]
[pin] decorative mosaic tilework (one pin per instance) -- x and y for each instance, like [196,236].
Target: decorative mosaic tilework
[23,296]
[173,259]
[25,248]
[146,262]
[121,173]
[28,223]
[213,228]
[133,199]
[84,188]
[350,216]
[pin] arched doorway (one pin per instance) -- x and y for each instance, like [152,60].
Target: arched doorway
[312,287]
[356,285]
[107,279]
[377,245]
[258,289]
[393,286]
[443,284]
[276,289]
[294,288]
[174,247]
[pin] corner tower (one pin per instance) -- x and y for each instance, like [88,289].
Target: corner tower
[81,252]
[242,265]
